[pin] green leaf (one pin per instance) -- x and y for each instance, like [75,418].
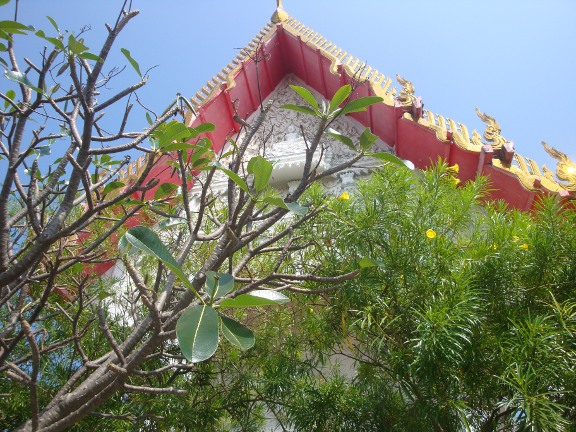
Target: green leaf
[177,147]
[294,207]
[132,201]
[149,118]
[90,56]
[164,189]
[274,296]
[340,96]
[10,94]
[342,138]
[203,128]
[174,131]
[389,157]
[233,176]
[173,221]
[146,240]
[367,139]
[197,333]
[218,284]
[237,334]
[8,28]
[306,95]
[367,262]
[133,62]
[54,41]
[262,170]
[53,23]
[21,78]
[4,2]
[360,104]
[75,45]
[112,186]
[299,108]
[255,299]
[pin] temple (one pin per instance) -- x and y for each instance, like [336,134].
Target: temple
[285,51]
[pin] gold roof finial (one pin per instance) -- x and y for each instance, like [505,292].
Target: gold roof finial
[280,14]
[565,168]
[491,133]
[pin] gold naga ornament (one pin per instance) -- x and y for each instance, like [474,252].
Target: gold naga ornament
[406,96]
[565,169]
[491,133]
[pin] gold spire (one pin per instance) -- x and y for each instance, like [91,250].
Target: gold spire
[280,14]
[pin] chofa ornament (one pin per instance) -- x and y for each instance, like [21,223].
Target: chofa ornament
[565,168]
[491,133]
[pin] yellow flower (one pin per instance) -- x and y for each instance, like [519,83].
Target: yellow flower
[345,196]
[515,239]
[524,246]
[454,168]
[430,233]
[455,181]
[494,246]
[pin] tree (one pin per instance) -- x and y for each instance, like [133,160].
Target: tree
[72,344]
[463,317]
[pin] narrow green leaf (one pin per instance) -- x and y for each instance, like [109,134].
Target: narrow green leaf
[340,96]
[21,78]
[299,108]
[342,138]
[164,189]
[4,2]
[306,95]
[149,118]
[133,62]
[360,104]
[232,176]
[262,170]
[146,240]
[218,284]
[197,333]
[112,186]
[237,334]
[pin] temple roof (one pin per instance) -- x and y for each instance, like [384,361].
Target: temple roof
[286,46]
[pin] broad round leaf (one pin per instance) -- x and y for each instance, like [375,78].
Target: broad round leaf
[237,334]
[197,332]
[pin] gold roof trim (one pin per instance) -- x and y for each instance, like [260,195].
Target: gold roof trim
[353,67]
[226,75]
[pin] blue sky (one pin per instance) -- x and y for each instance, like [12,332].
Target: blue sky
[513,59]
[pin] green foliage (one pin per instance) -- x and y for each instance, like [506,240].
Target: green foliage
[465,310]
